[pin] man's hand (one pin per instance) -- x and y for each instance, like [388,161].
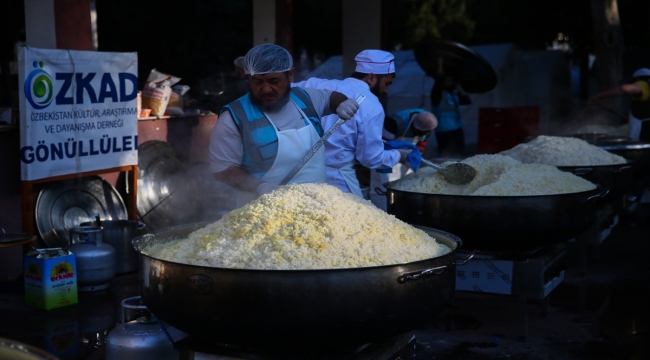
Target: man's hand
[403,153]
[266,188]
[347,109]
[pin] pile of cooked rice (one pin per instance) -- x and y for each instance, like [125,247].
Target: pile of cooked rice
[562,151]
[497,175]
[304,226]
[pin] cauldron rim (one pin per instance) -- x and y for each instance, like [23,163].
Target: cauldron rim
[453,238]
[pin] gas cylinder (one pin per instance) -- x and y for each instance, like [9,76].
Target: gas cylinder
[143,338]
[95,260]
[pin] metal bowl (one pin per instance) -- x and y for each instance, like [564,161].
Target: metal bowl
[16,350]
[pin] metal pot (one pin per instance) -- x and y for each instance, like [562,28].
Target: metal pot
[619,178]
[95,260]
[303,308]
[595,137]
[635,151]
[499,222]
[118,234]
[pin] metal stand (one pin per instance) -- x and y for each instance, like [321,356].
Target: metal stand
[523,277]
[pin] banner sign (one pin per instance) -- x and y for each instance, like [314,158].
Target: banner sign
[77,111]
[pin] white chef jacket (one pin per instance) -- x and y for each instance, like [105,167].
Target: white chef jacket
[359,137]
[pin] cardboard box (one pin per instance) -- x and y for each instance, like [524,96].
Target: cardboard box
[50,278]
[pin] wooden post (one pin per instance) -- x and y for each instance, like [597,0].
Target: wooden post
[27,193]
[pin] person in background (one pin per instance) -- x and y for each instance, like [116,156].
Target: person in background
[359,139]
[413,124]
[639,91]
[263,134]
[447,95]
[639,118]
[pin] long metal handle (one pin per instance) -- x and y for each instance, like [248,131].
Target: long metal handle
[316,146]
[611,110]
[422,273]
[432,164]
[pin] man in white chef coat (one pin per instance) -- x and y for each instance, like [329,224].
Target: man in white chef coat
[261,136]
[359,138]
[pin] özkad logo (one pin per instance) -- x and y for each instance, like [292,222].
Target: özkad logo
[39,88]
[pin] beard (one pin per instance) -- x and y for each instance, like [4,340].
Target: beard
[273,107]
[382,96]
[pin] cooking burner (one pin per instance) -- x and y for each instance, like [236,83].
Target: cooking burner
[532,273]
[401,347]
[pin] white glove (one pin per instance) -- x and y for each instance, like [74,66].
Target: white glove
[403,153]
[266,188]
[347,109]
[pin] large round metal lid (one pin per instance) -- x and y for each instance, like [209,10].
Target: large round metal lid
[475,73]
[167,194]
[65,204]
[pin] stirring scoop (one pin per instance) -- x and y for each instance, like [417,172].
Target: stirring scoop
[456,173]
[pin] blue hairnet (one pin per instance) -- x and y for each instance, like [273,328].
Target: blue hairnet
[267,58]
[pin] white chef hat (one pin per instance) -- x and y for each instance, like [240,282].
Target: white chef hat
[375,62]
[267,58]
[641,72]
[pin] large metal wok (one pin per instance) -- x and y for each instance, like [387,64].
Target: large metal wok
[304,308]
[635,151]
[619,178]
[499,222]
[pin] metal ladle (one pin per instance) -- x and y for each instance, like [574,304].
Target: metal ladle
[456,173]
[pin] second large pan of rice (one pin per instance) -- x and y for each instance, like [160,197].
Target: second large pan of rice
[497,175]
[299,227]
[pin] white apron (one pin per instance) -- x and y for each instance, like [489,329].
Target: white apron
[350,177]
[293,145]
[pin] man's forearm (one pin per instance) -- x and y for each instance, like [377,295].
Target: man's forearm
[238,178]
[336,98]
[616,91]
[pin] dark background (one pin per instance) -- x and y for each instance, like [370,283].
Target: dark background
[197,40]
